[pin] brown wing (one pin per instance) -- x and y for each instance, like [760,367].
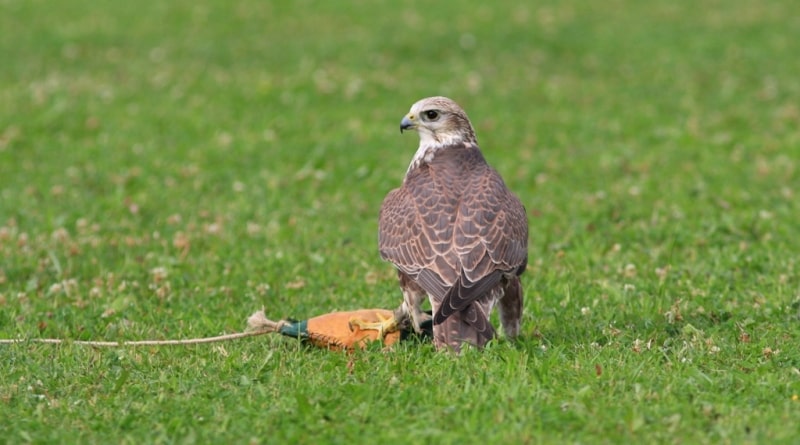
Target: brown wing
[490,239]
[402,240]
[407,236]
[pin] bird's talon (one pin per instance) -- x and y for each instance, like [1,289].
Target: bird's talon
[385,326]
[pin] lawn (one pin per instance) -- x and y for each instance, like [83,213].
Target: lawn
[167,168]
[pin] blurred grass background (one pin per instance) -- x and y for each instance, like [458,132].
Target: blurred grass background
[166,168]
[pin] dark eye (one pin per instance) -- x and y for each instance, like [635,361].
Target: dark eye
[432,115]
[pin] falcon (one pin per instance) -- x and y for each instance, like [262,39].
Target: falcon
[455,232]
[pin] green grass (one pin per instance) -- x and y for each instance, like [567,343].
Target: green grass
[167,168]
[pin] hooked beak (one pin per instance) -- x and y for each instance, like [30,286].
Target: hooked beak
[407,123]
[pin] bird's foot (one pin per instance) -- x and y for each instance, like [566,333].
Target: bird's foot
[385,325]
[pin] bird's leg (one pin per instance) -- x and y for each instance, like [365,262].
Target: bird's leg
[413,297]
[417,315]
[385,325]
[510,306]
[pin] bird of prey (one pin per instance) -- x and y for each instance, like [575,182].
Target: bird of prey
[454,231]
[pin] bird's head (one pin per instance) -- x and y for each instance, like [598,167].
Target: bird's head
[439,121]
